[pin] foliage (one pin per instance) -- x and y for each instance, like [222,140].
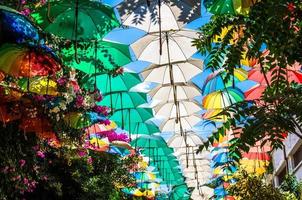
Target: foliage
[277,27]
[253,187]
[39,171]
[291,186]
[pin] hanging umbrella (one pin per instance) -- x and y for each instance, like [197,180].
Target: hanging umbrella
[97,57]
[123,100]
[214,115]
[76,19]
[216,80]
[108,83]
[190,139]
[154,18]
[101,127]
[219,7]
[185,108]
[222,99]
[182,72]
[184,91]
[24,61]
[187,122]
[16,27]
[78,120]
[176,47]
[97,143]
[39,85]
[132,115]
[149,141]
[255,92]
[142,128]
[159,153]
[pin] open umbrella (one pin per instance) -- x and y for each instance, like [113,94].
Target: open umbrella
[189,140]
[228,6]
[216,81]
[186,123]
[214,115]
[39,85]
[25,61]
[76,19]
[255,92]
[186,108]
[184,91]
[131,115]
[123,100]
[176,47]
[107,83]
[149,141]
[16,27]
[97,57]
[142,128]
[155,16]
[222,99]
[182,72]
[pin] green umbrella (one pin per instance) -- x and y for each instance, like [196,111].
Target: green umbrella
[149,141]
[76,19]
[124,100]
[131,115]
[142,128]
[107,56]
[108,83]
[180,192]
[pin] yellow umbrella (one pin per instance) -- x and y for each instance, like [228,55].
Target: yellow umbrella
[39,85]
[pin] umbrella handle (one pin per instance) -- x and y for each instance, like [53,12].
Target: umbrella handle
[49,18]
[76,53]
[148,3]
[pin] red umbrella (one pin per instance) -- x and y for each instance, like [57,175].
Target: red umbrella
[254,92]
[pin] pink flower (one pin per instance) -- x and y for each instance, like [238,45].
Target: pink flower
[40,154]
[89,160]
[101,110]
[79,101]
[74,85]
[62,81]
[82,153]
[39,98]
[107,122]
[25,181]
[291,7]
[22,163]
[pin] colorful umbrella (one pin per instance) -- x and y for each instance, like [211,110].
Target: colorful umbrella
[39,85]
[214,115]
[185,123]
[222,99]
[149,141]
[142,128]
[78,120]
[123,100]
[24,61]
[76,19]
[16,27]
[216,81]
[228,6]
[97,143]
[97,57]
[255,92]
[182,72]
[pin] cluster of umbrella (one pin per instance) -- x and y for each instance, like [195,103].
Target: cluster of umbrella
[167,46]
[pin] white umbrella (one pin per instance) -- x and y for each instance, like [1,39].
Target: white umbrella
[182,72]
[169,110]
[202,193]
[185,123]
[188,140]
[184,91]
[174,46]
[170,15]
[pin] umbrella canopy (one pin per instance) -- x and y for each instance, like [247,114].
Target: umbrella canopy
[176,46]
[216,80]
[186,108]
[184,91]
[214,115]
[182,72]
[222,99]
[123,100]
[39,85]
[190,139]
[131,115]
[150,17]
[228,6]
[16,27]
[108,83]
[78,120]
[97,57]
[149,141]
[160,153]
[142,128]
[187,123]
[76,19]
[255,92]
[28,62]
